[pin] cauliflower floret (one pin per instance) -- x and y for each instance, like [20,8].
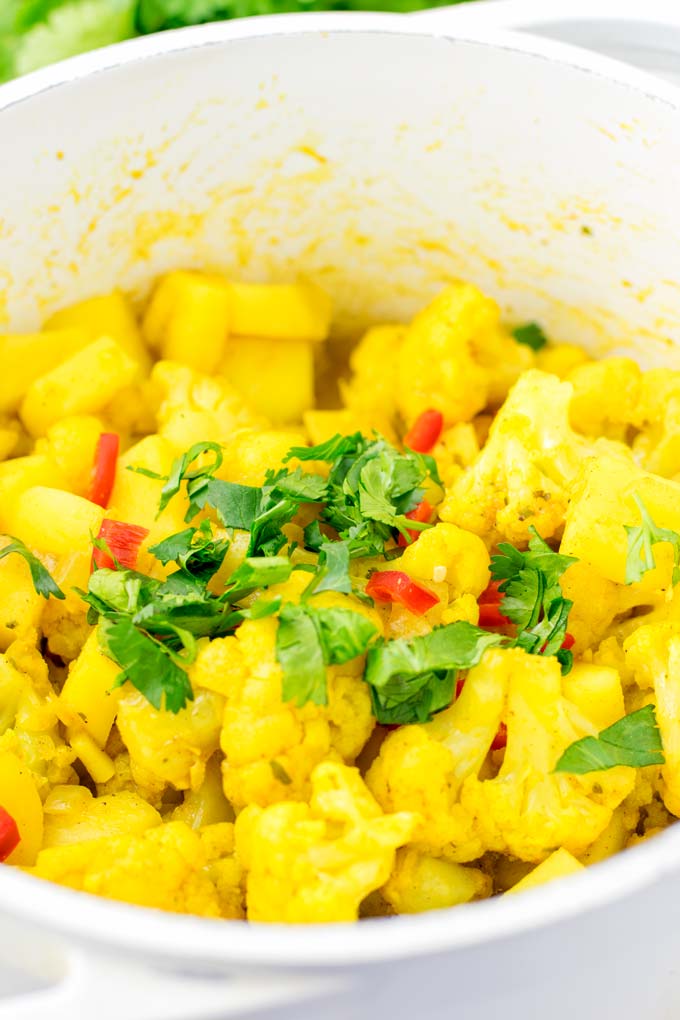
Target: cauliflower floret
[161,868]
[524,474]
[653,653]
[447,553]
[457,449]
[195,407]
[271,746]
[420,882]
[73,815]
[606,395]
[167,748]
[370,393]
[436,362]
[317,862]
[422,768]
[528,809]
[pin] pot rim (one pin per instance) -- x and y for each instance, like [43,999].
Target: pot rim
[155,933]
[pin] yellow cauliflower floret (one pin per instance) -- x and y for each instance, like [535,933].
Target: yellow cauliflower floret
[606,395]
[195,407]
[528,809]
[166,747]
[309,864]
[436,361]
[503,359]
[448,553]
[457,449]
[64,621]
[271,746]
[422,768]
[653,653]
[371,391]
[525,472]
[420,882]
[161,868]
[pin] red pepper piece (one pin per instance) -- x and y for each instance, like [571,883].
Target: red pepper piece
[422,512]
[501,738]
[9,834]
[460,684]
[569,641]
[122,541]
[104,469]
[425,431]
[489,612]
[396,586]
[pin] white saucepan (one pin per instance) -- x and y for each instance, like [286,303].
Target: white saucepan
[379,155]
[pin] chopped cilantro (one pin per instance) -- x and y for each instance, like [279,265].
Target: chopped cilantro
[531,335]
[412,678]
[640,557]
[309,639]
[43,582]
[634,740]
[532,596]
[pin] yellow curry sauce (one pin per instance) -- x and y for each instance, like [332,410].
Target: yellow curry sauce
[264,659]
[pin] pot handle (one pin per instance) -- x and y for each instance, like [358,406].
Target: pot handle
[525,15]
[78,983]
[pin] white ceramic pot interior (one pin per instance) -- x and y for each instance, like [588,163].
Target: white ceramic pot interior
[380,162]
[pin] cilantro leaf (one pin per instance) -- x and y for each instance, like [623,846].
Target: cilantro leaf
[531,335]
[333,575]
[257,572]
[634,740]
[334,448]
[146,664]
[532,596]
[300,655]
[308,639]
[195,551]
[640,557]
[43,582]
[181,470]
[412,678]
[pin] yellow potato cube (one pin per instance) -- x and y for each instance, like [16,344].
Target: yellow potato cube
[251,453]
[25,357]
[602,503]
[73,815]
[276,377]
[19,797]
[420,882]
[560,864]
[187,319]
[83,384]
[297,311]
[22,473]
[71,443]
[135,497]
[323,425]
[55,521]
[596,691]
[20,604]
[106,315]
[89,690]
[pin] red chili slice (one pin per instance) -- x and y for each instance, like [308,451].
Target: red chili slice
[489,611]
[425,431]
[569,641]
[396,586]
[501,738]
[9,834]
[104,469]
[423,512]
[122,541]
